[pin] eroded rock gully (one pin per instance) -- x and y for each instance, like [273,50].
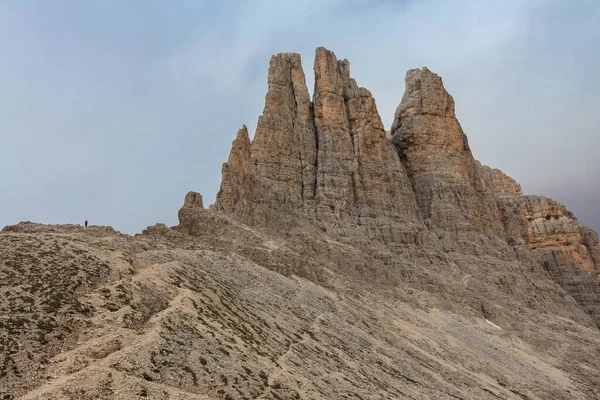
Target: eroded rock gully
[338,261]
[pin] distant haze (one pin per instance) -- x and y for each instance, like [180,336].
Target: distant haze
[111,111]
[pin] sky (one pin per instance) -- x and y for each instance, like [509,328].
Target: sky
[113,110]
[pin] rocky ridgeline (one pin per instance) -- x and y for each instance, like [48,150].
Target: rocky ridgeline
[418,189]
[32,227]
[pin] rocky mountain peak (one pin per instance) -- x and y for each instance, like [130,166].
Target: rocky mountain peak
[425,94]
[446,178]
[329,163]
[236,174]
[328,159]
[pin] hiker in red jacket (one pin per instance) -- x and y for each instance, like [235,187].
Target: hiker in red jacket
[86,223]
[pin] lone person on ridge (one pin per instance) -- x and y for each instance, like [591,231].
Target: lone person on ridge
[86,223]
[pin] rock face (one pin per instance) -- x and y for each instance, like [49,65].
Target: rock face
[358,171]
[237,182]
[279,166]
[284,148]
[329,160]
[193,200]
[446,179]
[497,182]
[418,189]
[569,251]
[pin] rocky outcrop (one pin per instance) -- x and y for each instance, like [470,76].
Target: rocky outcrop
[568,251]
[284,147]
[237,178]
[329,160]
[456,193]
[497,181]
[193,200]
[435,151]
[278,166]
[160,230]
[415,193]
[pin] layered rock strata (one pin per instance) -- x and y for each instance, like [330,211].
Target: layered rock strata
[554,238]
[284,148]
[237,177]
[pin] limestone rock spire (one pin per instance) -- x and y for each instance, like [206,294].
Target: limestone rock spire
[329,165]
[284,146]
[435,151]
[329,158]
[335,192]
[236,175]
[358,171]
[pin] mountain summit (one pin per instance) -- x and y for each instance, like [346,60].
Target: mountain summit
[338,261]
[329,163]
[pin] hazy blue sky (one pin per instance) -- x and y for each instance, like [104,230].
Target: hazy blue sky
[113,110]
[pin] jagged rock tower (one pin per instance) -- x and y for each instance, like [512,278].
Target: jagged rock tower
[419,196]
[328,159]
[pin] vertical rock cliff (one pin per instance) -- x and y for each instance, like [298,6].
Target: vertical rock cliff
[237,175]
[284,147]
[358,171]
[329,159]
[435,151]
[554,238]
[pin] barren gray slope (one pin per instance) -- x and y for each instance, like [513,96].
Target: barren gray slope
[190,321]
